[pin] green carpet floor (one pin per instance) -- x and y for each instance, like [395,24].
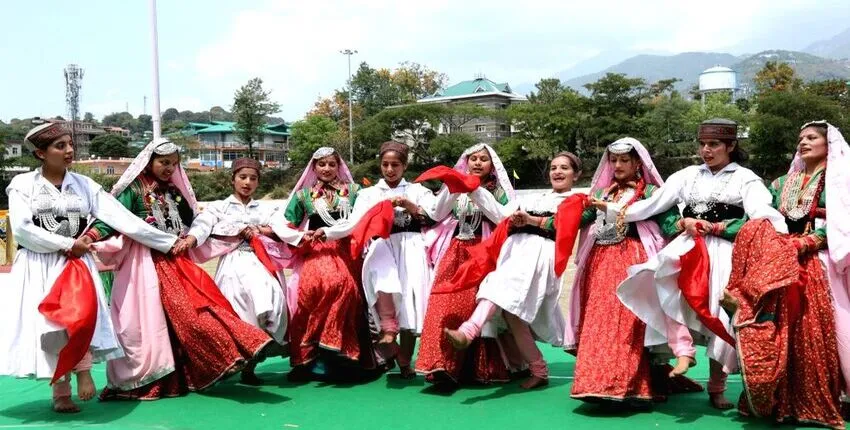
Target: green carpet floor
[388,402]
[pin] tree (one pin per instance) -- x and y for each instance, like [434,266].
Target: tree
[144,123]
[666,120]
[455,116]
[775,128]
[109,145]
[88,117]
[550,122]
[170,114]
[308,135]
[413,124]
[121,119]
[716,105]
[616,102]
[447,148]
[833,89]
[251,106]
[776,77]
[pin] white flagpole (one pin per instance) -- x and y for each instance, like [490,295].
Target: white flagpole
[155,114]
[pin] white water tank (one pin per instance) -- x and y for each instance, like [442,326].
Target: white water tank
[718,78]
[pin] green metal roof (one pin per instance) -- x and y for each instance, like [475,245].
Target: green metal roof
[229,127]
[478,85]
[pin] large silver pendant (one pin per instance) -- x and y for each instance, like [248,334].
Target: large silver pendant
[796,213]
[701,207]
[607,234]
[466,232]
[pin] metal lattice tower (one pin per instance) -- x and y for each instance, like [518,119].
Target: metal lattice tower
[73,82]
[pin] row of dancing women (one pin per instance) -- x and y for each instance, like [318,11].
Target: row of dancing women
[756,273]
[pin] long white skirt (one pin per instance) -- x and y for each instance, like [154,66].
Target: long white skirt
[399,266]
[662,273]
[252,291]
[524,284]
[29,343]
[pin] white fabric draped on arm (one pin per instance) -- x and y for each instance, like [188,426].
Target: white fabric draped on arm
[107,209]
[662,199]
[490,207]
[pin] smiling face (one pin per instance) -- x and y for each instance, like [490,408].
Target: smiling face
[327,168]
[392,168]
[163,166]
[562,174]
[480,164]
[58,155]
[245,182]
[715,153]
[812,145]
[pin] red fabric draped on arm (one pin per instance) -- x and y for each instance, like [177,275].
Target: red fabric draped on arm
[567,223]
[693,282]
[377,222]
[72,303]
[456,182]
[482,261]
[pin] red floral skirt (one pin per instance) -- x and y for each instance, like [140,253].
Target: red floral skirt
[330,314]
[208,340]
[482,361]
[808,390]
[611,363]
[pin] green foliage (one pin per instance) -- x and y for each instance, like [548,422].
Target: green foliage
[776,126]
[308,135]
[110,145]
[251,106]
[445,149]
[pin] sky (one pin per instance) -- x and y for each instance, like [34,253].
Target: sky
[208,49]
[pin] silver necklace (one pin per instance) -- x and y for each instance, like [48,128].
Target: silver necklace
[468,216]
[48,207]
[701,205]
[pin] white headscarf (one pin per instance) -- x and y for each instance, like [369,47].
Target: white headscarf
[160,146]
[308,177]
[498,168]
[837,185]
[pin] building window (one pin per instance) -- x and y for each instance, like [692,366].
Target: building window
[110,170]
[503,127]
[15,150]
[503,106]
[480,128]
[229,155]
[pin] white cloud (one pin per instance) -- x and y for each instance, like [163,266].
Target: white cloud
[294,46]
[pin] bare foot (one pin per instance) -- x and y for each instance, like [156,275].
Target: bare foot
[719,401]
[64,405]
[387,337]
[458,339]
[534,382]
[85,386]
[407,372]
[683,363]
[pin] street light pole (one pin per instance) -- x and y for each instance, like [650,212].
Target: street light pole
[155,115]
[349,53]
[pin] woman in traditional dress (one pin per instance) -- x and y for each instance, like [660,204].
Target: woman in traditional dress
[396,271]
[718,195]
[178,331]
[524,287]
[610,342]
[464,220]
[329,330]
[793,311]
[255,290]
[49,212]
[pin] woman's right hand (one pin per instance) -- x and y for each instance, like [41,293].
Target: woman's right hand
[81,246]
[695,227]
[599,204]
